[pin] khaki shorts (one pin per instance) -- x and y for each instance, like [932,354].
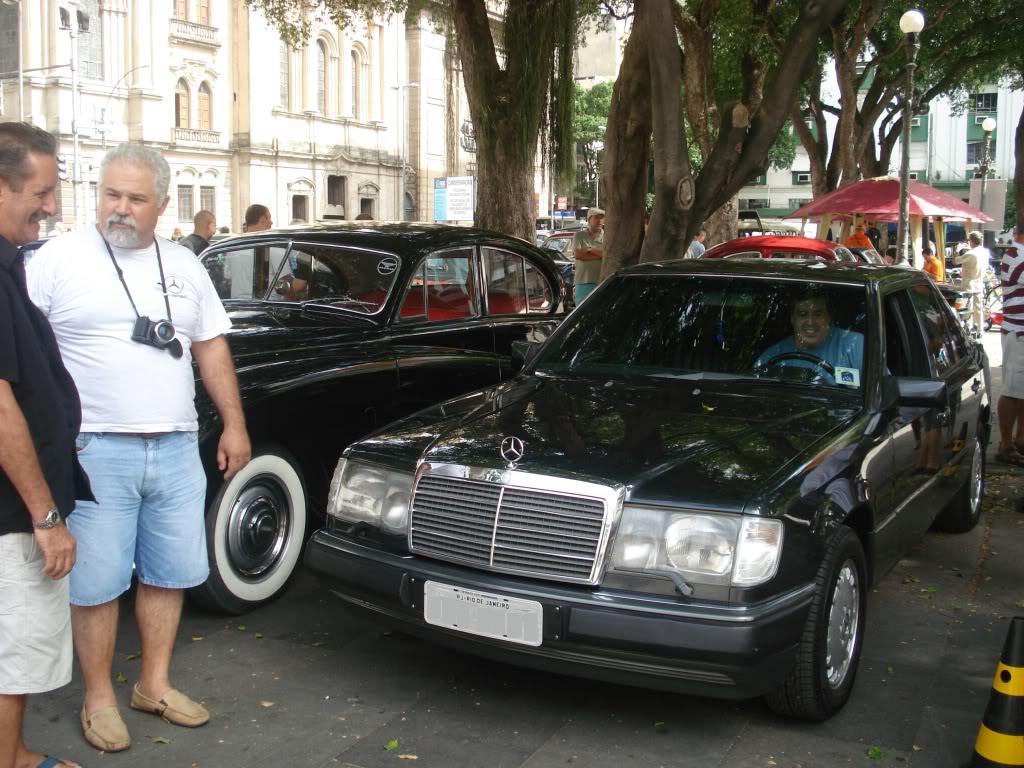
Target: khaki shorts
[35,620]
[1013,365]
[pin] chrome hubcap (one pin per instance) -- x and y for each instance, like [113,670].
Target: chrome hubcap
[843,621]
[258,526]
[977,479]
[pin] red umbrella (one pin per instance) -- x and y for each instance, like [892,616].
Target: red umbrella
[880,198]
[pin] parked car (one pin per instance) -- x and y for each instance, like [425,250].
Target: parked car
[791,247]
[561,242]
[339,329]
[671,494]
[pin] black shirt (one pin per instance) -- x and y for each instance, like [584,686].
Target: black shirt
[194,243]
[30,361]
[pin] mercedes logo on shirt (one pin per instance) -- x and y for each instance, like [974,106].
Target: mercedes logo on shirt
[175,284]
[512,449]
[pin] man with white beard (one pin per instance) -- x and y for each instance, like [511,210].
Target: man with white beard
[130,310]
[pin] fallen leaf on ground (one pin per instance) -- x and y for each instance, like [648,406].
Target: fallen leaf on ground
[393,744]
[132,656]
[875,753]
[266,703]
[408,757]
[1019,604]
[917,748]
[121,678]
[241,627]
[258,635]
[198,637]
[161,740]
[890,669]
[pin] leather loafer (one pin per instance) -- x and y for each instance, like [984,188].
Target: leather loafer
[105,729]
[175,707]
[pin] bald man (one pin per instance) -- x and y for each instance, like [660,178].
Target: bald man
[205,224]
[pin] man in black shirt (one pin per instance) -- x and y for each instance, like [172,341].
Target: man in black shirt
[40,478]
[205,224]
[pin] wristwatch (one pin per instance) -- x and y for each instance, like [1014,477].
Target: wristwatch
[51,520]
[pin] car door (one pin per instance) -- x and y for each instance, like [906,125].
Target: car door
[243,275]
[444,345]
[518,299]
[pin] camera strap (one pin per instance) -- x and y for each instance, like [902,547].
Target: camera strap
[120,276]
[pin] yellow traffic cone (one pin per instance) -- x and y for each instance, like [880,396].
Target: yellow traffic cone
[1001,736]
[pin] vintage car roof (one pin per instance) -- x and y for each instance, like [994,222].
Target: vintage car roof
[387,236]
[788,242]
[833,272]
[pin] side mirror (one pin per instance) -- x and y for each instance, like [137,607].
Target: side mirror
[524,351]
[913,392]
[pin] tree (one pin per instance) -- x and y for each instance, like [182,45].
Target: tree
[510,96]
[591,120]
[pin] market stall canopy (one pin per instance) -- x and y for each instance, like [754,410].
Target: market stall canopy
[880,199]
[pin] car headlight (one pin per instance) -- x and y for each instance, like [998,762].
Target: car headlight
[365,493]
[702,548]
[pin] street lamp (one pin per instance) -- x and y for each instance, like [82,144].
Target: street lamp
[911,23]
[988,125]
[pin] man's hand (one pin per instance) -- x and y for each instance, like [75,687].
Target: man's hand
[58,547]
[233,451]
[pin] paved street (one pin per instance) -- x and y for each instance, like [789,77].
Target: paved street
[301,683]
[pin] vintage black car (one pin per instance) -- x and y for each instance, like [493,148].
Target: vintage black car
[691,485]
[338,330]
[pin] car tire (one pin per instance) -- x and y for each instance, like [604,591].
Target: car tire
[964,511]
[255,530]
[823,672]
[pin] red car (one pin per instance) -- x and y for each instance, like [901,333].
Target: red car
[782,247]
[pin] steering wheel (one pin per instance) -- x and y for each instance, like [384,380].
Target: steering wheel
[805,356]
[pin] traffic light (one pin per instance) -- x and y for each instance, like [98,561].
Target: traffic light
[62,168]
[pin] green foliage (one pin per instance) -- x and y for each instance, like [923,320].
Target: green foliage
[591,119]
[783,152]
[1010,216]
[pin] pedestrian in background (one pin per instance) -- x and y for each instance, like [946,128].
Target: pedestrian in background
[204,225]
[858,239]
[177,234]
[1010,409]
[933,266]
[130,311]
[696,249]
[39,472]
[588,249]
[973,263]
[257,218]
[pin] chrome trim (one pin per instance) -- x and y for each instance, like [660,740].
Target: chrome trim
[611,497]
[909,499]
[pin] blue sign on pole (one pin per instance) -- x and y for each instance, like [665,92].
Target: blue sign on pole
[440,199]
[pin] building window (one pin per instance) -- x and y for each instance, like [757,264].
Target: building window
[321,77]
[186,204]
[208,199]
[204,12]
[986,102]
[747,204]
[181,9]
[801,177]
[300,209]
[357,73]
[797,202]
[285,85]
[336,194]
[975,152]
[90,40]
[181,104]
[366,206]
[205,97]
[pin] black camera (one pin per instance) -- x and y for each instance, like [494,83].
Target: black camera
[159,334]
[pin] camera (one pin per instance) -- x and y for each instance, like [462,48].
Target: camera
[159,334]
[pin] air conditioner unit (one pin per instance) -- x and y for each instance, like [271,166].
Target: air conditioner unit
[913,176]
[803,177]
[915,121]
[979,119]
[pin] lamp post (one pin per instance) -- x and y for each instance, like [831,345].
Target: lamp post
[911,23]
[103,109]
[988,125]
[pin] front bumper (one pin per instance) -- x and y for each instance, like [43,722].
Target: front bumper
[734,652]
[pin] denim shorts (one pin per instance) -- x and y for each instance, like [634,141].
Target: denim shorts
[149,513]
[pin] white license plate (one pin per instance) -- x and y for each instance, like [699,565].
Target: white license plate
[483,613]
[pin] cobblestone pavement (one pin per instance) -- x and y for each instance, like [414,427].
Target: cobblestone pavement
[302,684]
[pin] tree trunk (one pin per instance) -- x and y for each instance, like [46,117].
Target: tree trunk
[504,195]
[673,182]
[723,224]
[627,144]
[1018,177]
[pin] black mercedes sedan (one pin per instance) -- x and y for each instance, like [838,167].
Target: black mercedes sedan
[691,485]
[338,329]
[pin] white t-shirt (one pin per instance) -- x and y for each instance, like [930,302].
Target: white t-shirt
[126,386]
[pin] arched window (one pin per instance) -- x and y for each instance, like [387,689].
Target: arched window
[357,73]
[205,98]
[182,118]
[321,77]
[286,73]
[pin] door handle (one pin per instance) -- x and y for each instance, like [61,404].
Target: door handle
[976,386]
[943,417]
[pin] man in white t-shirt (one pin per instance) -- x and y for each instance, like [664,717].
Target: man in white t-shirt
[973,264]
[130,311]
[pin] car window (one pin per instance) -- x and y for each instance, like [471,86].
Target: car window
[539,296]
[558,243]
[796,256]
[930,314]
[244,273]
[351,279]
[441,288]
[711,327]
[505,282]
[743,255]
[844,254]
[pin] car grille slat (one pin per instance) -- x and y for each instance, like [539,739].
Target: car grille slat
[530,531]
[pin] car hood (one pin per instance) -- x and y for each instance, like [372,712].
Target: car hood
[711,445]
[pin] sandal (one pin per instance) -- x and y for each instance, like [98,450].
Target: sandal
[1010,456]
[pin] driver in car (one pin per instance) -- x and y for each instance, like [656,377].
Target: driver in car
[833,353]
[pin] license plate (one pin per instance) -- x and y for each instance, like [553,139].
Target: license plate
[483,613]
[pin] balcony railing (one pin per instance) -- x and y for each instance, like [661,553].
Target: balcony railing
[196,136]
[194,32]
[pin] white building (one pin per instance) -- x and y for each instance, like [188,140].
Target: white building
[321,132]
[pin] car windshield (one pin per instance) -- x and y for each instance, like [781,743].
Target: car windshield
[703,327]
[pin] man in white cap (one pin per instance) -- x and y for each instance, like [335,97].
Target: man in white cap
[973,264]
[588,248]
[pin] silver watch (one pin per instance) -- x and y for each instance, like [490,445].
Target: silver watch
[51,520]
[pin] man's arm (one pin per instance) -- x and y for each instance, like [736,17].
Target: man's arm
[218,374]
[19,462]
